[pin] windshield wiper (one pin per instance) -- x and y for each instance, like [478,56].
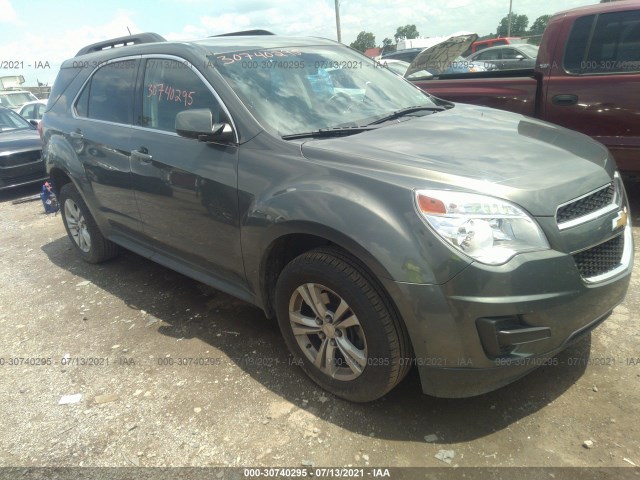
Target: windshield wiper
[406,111]
[329,132]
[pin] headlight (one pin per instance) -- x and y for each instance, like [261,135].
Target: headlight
[487,229]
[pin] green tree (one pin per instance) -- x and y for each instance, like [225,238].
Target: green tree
[408,31]
[519,24]
[363,41]
[539,25]
[388,46]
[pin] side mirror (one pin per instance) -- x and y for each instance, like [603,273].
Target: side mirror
[519,57]
[34,122]
[198,124]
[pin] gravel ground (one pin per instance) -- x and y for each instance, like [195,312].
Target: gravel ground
[163,371]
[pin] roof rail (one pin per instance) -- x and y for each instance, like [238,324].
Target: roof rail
[245,33]
[121,42]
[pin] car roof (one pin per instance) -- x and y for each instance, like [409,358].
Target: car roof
[14,91]
[32,102]
[599,8]
[155,44]
[501,47]
[404,50]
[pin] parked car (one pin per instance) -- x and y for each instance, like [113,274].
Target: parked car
[586,78]
[15,99]
[506,57]
[492,42]
[459,65]
[400,67]
[382,230]
[20,151]
[33,110]
[440,59]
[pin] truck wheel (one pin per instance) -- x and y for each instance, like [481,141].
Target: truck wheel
[82,228]
[339,326]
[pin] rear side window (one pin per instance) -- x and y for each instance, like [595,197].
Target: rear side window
[509,54]
[490,55]
[171,87]
[108,95]
[611,46]
[29,112]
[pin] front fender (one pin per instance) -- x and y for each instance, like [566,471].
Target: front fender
[374,221]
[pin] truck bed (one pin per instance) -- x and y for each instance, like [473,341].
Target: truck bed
[512,90]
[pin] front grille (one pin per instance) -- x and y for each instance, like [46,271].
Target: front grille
[600,259]
[20,158]
[586,205]
[31,177]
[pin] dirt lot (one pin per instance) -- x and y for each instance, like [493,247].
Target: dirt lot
[118,335]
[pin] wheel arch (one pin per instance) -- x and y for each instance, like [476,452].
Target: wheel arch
[296,238]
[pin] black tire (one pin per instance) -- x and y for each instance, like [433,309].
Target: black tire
[366,359]
[82,228]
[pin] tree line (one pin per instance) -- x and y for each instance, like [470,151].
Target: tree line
[519,28]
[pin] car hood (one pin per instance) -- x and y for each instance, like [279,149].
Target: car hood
[15,140]
[476,149]
[438,58]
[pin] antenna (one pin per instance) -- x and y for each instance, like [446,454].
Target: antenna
[128,30]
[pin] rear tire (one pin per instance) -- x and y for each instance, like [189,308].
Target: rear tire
[340,326]
[82,228]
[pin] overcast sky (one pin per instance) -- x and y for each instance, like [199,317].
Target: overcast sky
[44,31]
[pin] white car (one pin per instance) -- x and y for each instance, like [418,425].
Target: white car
[15,99]
[33,110]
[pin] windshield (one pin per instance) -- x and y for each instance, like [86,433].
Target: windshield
[10,120]
[530,50]
[16,99]
[300,90]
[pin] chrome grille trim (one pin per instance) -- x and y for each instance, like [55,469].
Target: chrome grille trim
[616,202]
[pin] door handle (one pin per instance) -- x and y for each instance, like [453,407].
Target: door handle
[142,154]
[77,135]
[564,100]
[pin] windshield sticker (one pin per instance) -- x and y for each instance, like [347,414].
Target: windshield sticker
[237,57]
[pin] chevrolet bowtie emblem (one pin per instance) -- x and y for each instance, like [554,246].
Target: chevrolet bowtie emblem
[620,221]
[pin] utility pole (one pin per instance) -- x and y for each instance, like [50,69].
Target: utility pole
[338,20]
[509,27]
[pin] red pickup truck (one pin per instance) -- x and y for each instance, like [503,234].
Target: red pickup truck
[586,78]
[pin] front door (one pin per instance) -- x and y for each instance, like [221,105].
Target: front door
[186,189]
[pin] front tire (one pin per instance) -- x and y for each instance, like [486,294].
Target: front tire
[82,228]
[340,326]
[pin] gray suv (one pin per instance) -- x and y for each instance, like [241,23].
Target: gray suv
[376,222]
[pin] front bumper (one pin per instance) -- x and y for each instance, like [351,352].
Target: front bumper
[540,294]
[23,172]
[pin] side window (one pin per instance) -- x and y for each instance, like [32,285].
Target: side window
[28,112]
[108,94]
[171,87]
[509,54]
[499,42]
[490,55]
[613,48]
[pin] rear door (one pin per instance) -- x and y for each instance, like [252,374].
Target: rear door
[597,88]
[101,138]
[186,189]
